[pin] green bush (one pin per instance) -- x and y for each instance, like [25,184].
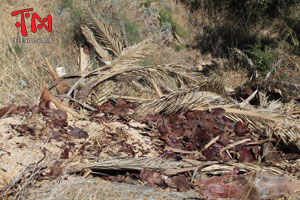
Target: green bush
[147,4]
[132,32]
[166,17]
[72,30]
[66,4]
[76,18]
[263,57]
[178,47]
[244,10]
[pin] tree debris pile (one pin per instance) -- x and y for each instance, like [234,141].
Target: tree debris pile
[162,126]
[178,151]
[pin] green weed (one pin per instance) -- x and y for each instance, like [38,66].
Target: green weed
[178,47]
[263,57]
[166,17]
[132,32]
[65,4]
[283,76]
[147,4]
[73,30]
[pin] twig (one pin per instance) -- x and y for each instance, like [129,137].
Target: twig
[262,141]
[47,96]
[176,171]
[179,150]
[246,102]
[274,66]
[211,143]
[52,72]
[234,144]
[138,99]
[27,168]
[156,88]
[112,144]
[295,112]
[77,101]
[195,173]
[55,77]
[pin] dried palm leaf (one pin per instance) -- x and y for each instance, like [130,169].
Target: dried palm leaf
[182,100]
[89,35]
[84,60]
[153,163]
[167,77]
[247,62]
[105,34]
[129,57]
[160,74]
[103,76]
[134,54]
[171,167]
[282,126]
[215,84]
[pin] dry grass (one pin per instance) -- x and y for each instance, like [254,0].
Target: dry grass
[23,70]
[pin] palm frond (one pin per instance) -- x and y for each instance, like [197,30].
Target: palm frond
[89,35]
[182,100]
[248,63]
[169,78]
[216,84]
[134,54]
[282,126]
[105,34]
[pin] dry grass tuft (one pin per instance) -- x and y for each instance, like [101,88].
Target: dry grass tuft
[23,69]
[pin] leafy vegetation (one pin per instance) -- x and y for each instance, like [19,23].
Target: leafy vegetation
[178,47]
[73,28]
[132,32]
[147,4]
[66,4]
[263,57]
[237,24]
[166,17]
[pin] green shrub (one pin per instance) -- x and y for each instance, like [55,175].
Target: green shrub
[147,4]
[73,30]
[65,4]
[166,17]
[244,10]
[132,32]
[283,76]
[178,47]
[263,57]
[76,18]
[93,61]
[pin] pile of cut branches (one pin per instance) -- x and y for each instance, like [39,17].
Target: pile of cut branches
[165,126]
